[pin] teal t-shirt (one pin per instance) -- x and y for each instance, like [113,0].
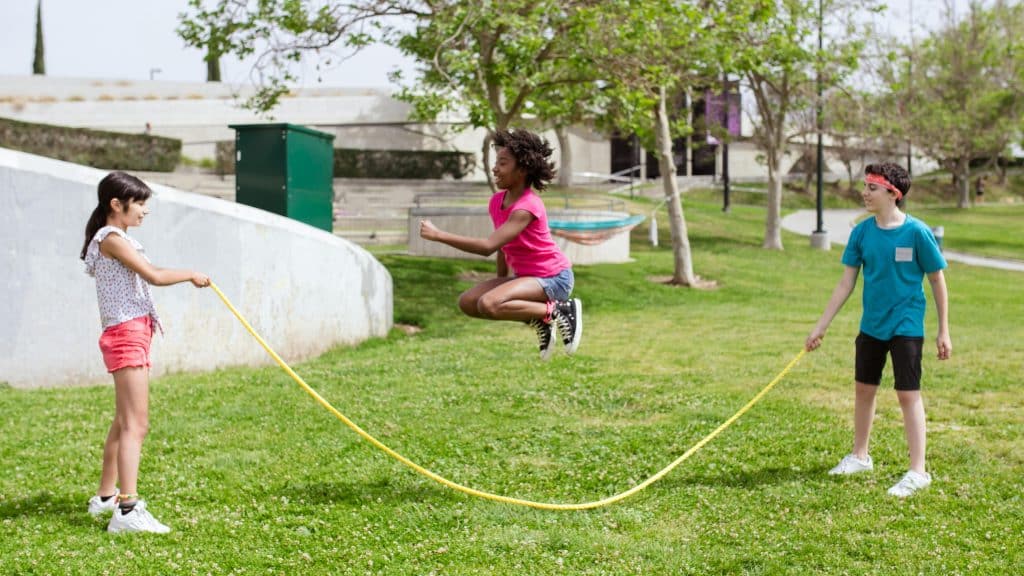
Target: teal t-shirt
[895,262]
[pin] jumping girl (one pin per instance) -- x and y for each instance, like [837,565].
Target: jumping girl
[534,278]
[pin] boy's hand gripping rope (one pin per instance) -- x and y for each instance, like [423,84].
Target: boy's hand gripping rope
[488,495]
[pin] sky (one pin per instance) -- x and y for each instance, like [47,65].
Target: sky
[136,39]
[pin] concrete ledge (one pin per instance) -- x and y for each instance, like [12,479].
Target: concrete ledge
[303,289]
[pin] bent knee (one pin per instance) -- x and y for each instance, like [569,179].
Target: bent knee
[489,306]
[468,305]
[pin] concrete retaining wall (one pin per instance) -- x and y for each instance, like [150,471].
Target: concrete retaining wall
[303,289]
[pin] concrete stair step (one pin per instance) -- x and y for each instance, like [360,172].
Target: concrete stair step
[371,224]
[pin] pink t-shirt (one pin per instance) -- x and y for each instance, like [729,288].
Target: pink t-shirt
[533,252]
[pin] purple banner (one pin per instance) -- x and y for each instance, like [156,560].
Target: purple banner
[713,111]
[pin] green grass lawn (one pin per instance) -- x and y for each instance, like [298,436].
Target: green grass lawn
[255,478]
[986,230]
[995,229]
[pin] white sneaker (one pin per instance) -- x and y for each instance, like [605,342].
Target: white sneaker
[850,464]
[97,507]
[138,520]
[910,483]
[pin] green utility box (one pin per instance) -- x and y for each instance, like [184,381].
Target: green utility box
[286,169]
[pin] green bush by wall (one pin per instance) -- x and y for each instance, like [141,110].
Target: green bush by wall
[380,164]
[97,148]
[401,164]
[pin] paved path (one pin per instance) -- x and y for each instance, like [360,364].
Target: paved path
[838,224]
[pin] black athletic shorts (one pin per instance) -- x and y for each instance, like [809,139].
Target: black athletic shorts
[906,360]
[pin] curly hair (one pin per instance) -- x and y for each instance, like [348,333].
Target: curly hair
[531,153]
[895,174]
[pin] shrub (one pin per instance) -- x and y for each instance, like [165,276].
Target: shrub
[381,164]
[96,148]
[401,164]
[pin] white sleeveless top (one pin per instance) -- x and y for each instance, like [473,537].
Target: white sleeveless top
[122,294]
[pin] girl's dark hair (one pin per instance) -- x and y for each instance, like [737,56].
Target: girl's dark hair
[895,174]
[531,153]
[124,187]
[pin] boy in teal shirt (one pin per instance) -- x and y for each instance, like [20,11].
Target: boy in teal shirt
[896,252]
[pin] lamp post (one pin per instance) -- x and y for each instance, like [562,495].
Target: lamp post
[910,80]
[819,238]
[725,142]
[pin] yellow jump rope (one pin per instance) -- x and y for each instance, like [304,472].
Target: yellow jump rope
[488,495]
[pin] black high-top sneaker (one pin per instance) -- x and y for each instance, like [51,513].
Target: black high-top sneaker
[568,316]
[545,337]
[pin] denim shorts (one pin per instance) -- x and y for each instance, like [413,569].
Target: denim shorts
[559,286]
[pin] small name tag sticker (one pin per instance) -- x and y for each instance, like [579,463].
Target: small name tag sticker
[904,254]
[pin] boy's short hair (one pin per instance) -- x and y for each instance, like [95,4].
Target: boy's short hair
[531,153]
[894,173]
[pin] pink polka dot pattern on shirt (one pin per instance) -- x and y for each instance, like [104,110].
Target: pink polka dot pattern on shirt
[122,294]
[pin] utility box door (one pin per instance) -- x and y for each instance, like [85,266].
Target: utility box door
[310,179]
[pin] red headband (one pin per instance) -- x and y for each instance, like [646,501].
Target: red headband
[881,181]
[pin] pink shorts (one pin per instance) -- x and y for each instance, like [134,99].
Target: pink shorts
[126,345]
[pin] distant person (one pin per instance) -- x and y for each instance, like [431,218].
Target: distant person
[149,128]
[979,189]
[123,276]
[534,278]
[896,252]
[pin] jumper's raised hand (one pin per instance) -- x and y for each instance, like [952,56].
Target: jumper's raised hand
[428,231]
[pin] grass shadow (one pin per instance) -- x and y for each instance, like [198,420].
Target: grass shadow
[71,508]
[358,493]
[753,478]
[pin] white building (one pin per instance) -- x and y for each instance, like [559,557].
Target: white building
[199,114]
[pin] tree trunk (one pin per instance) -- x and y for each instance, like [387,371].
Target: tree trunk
[683,263]
[963,184]
[773,221]
[212,67]
[486,153]
[565,169]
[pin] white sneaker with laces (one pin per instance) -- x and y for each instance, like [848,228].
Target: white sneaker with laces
[97,507]
[138,520]
[910,483]
[850,464]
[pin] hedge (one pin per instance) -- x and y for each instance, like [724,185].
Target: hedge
[380,164]
[401,164]
[97,148]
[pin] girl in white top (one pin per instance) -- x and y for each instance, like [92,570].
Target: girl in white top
[123,276]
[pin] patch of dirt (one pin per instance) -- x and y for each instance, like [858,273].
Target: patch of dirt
[409,329]
[475,276]
[699,283]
